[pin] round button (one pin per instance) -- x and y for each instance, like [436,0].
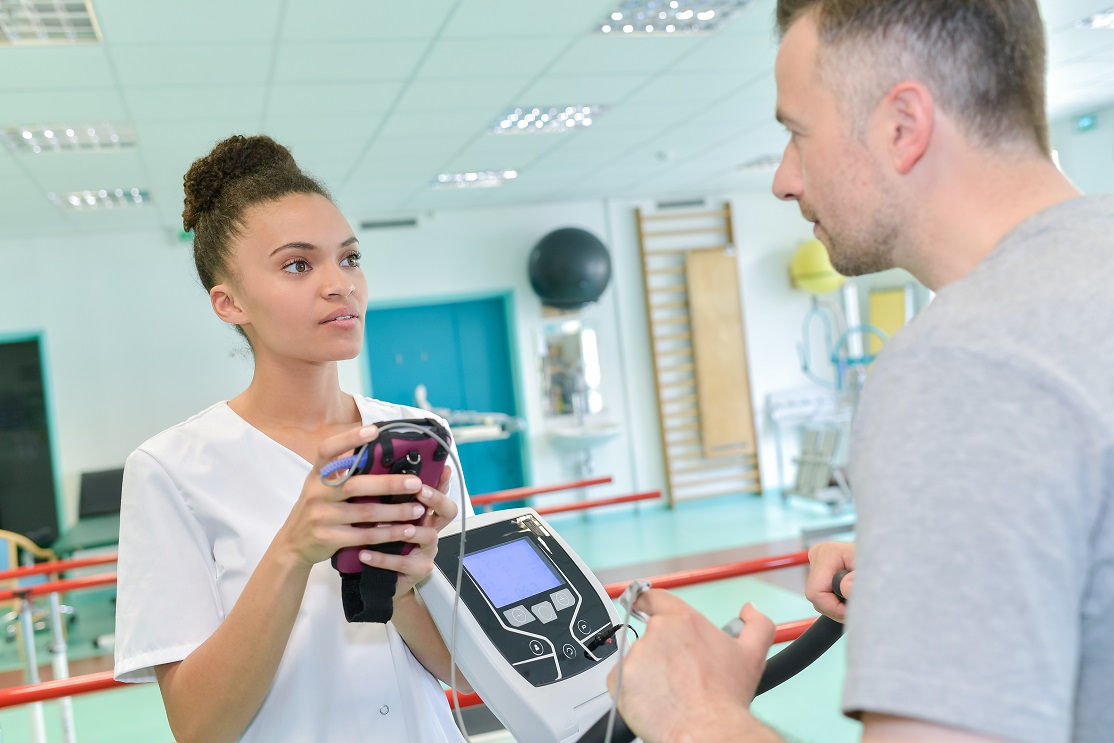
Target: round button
[536,647]
[583,627]
[568,650]
[384,709]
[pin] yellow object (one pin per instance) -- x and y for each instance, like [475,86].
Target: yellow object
[887,313]
[811,269]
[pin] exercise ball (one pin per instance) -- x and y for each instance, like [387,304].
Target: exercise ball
[569,268]
[811,269]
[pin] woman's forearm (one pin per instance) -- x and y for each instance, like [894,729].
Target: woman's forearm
[413,622]
[213,694]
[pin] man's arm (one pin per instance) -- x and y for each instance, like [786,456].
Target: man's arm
[887,729]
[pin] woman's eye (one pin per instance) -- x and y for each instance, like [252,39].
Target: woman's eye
[298,266]
[353,260]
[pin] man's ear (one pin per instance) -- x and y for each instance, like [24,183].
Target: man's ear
[226,306]
[909,117]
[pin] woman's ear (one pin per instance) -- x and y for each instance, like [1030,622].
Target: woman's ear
[226,306]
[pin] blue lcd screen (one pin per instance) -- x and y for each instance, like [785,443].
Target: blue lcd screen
[511,572]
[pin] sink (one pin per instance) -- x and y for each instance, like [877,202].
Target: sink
[585,435]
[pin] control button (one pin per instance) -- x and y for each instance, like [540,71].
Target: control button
[518,616]
[583,627]
[568,650]
[563,599]
[544,611]
[536,647]
[384,709]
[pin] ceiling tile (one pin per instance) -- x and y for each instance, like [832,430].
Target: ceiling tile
[496,57]
[495,151]
[59,66]
[356,61]
[687,88]
[320,99]
[80,171]
[87,104]
[315,20]
[514,18]
[192,136]
[192,64]
[461,125]
[313,128]
[194,102]
[207,21]
[564,90]
[466,95]
[614,55]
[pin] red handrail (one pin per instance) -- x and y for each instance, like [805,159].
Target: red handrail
[59,586]
[520,493]
[47,690]
[55,566]
[586,504]
[718,572]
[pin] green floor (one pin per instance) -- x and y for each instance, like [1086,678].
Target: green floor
[805,710]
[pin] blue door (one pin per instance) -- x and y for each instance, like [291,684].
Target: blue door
[461,352]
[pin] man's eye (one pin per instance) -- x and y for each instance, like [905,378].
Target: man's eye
[298,266]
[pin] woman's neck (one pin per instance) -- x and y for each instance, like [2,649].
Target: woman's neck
[295,394]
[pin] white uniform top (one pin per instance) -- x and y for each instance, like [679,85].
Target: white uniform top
[201,503]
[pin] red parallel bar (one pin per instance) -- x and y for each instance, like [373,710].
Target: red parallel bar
[56,566]
[47,690]
[520,493]
[586,504]
[59,586]
[718,572]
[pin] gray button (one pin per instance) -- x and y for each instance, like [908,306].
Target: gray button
[544,611]
[518,616]
[384,709]
[563,599]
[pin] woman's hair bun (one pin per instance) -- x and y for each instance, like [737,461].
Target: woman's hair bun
[230,160]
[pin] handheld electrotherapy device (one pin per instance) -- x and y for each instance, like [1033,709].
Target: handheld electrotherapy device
[526,597]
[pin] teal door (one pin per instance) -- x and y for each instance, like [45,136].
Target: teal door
[461,352]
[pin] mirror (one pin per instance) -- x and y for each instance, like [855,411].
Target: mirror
[570,367]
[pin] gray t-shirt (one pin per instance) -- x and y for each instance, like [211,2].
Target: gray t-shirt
[982,462]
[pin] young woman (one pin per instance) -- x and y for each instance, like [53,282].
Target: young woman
[226,595]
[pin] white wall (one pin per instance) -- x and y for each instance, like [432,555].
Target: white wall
[1087,157]
[133,347]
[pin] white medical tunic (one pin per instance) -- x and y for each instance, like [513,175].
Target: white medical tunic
[201,503]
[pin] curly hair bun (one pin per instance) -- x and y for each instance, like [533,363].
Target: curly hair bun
[230,160]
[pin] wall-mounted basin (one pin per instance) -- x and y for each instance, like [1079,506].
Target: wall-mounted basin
[585,435]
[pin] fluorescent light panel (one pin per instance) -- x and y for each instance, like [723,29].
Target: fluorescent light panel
[100,199]
[664,17]
[33,22]
[546,119]
[1103,20]
[762,163]
[475,179]
[40,138]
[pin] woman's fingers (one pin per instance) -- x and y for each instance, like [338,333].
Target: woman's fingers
[342,444]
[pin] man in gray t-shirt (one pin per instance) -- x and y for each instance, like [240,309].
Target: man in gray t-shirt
[983,454]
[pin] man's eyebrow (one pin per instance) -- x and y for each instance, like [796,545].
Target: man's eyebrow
[297,245]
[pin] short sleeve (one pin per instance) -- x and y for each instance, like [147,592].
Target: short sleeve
[167,602]
[974,481]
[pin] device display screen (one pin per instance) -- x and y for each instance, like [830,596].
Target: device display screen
[511,572]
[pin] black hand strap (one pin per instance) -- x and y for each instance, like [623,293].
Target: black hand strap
[368,596]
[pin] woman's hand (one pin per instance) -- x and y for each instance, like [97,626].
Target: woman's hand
[414,567]
[322,520]
[825,560]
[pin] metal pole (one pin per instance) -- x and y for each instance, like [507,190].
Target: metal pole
[27,626]
[61,667]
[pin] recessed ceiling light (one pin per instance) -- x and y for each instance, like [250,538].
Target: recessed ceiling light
[539,119]
[30,22]
[39,138]
[100,199]
[657,18]
[68,138]
[1104,20]
[475,179]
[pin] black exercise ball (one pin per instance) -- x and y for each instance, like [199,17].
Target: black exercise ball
[569,268]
